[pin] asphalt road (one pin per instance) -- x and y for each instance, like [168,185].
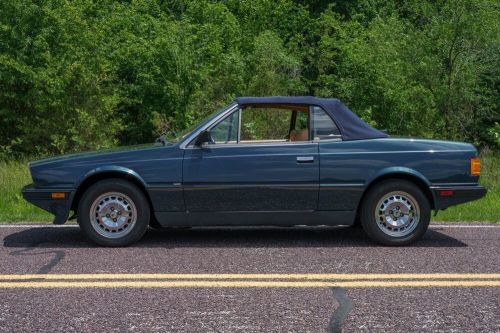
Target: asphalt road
[250,280]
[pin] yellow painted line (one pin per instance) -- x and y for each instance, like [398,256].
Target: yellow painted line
[106,276]
[243,284]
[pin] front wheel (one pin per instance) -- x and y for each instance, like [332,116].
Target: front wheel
[113,212]
[395,212]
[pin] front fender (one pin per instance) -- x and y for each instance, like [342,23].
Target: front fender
[110,169]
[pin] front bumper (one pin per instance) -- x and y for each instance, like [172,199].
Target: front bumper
[446,196]
[43,198]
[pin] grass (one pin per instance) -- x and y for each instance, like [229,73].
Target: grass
[13,208]
[14,175]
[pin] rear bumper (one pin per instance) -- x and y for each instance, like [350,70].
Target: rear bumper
[43,198]
[446,196]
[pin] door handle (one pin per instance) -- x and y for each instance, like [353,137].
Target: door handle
[305,159]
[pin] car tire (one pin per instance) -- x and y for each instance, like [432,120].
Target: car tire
[395,212]
[114,213]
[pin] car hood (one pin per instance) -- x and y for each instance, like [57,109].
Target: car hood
[93,154]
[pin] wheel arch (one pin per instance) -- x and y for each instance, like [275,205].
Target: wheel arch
[410,175]
[99,174]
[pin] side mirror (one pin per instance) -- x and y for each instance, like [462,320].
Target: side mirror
[203,138]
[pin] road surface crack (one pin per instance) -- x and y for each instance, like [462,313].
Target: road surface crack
[340,314]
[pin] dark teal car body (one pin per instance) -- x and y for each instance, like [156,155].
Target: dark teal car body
[288,183]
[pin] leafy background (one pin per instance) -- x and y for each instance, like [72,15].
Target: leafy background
[86,74]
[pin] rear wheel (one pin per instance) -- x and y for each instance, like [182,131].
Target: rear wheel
[395,212]
[113,212]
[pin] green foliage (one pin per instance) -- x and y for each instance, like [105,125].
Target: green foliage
[423,69]
[87,74]
[55,87]
[255,124]
[274,71]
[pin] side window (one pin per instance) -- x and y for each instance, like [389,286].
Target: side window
[264,124]
[274,124]
[226,131]
[323,126]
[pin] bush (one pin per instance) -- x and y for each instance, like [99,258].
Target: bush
[86,74]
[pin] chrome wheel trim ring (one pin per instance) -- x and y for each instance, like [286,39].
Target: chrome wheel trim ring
[113,215]
[397,214]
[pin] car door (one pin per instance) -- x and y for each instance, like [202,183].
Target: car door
[341,166]
[236,175]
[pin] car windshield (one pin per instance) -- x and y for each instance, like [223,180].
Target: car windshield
[174,137]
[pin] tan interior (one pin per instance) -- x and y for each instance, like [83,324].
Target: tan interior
[299,135]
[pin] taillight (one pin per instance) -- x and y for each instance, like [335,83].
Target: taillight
[475,166]
[446,193]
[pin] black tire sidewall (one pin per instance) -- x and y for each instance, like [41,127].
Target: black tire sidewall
[369,206]
[114,185]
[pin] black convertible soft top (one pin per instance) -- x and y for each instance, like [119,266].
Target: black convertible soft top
[350,125]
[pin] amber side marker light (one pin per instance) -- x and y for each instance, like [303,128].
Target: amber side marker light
[475,166]
[58,195]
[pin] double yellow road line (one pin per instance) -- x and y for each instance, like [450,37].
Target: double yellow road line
[11,281]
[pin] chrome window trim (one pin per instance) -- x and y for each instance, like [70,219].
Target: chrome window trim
[337,138]
[237,145]
[239,125]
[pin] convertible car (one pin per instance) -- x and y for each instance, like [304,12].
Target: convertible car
[281,161]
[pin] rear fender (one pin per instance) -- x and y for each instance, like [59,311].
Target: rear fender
[402,173]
